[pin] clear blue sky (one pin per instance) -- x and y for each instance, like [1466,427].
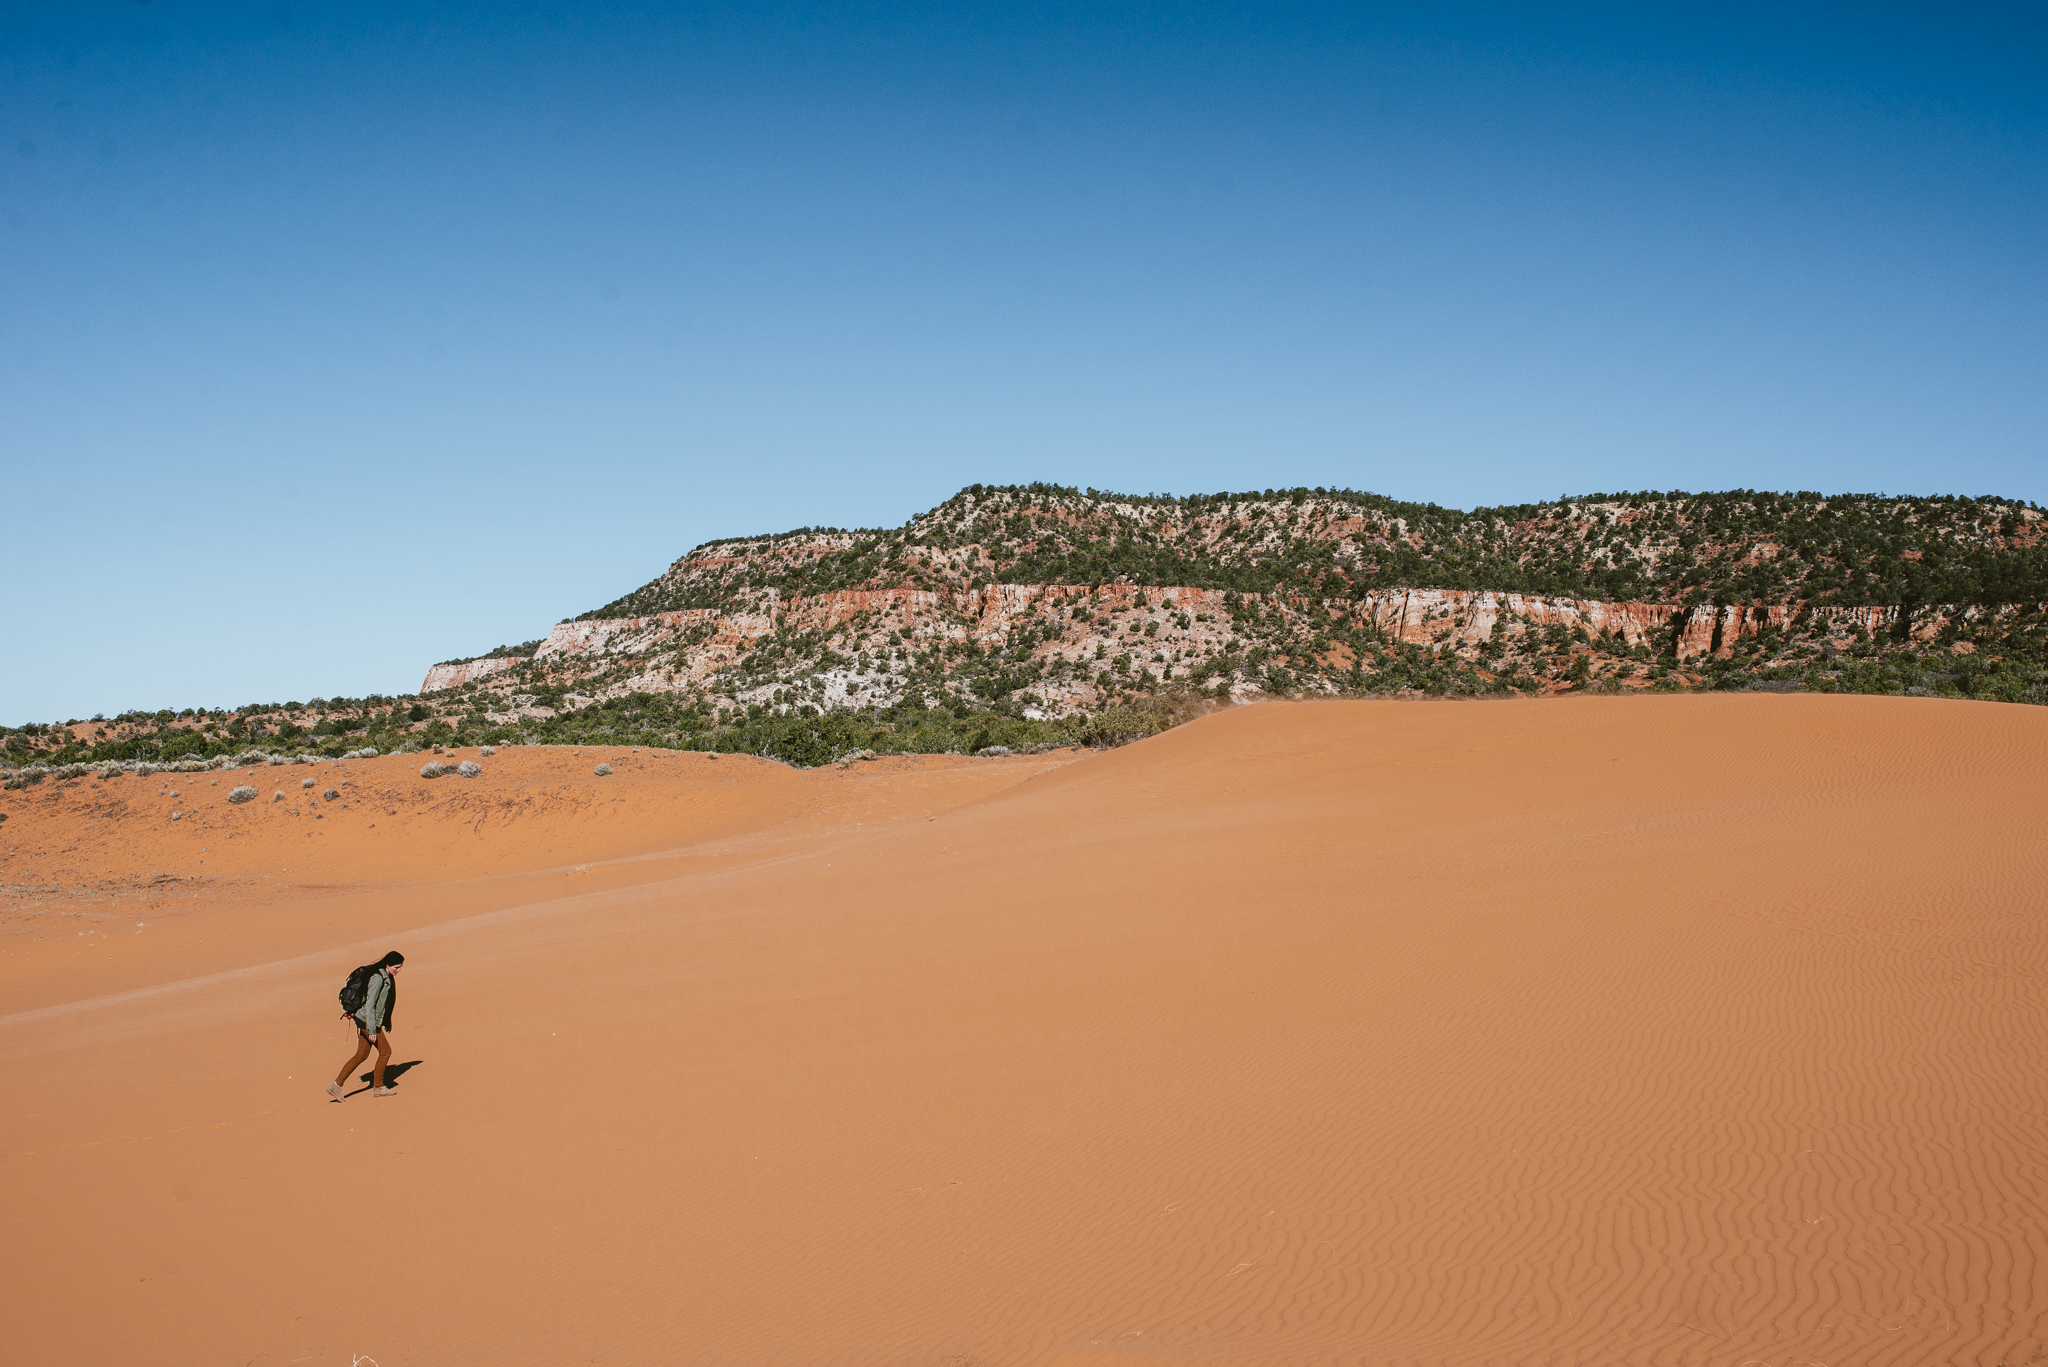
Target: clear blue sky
[338,339]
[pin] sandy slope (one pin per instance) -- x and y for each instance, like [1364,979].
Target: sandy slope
[1656,1030]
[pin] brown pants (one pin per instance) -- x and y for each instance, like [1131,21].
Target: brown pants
[362,1052]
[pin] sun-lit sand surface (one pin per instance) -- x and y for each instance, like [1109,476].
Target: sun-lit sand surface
[1606,1031]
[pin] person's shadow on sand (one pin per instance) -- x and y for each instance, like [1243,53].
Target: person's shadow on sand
[392,1072]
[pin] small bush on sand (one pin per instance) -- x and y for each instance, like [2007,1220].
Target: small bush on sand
[240,795]
[332,795]
[277,796]
[305,783]
[469,769]
[488,750]
[1126,722]
[602,770]
[433,769]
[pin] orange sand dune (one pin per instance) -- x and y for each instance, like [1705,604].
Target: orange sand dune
[84,859]
[1651,1030]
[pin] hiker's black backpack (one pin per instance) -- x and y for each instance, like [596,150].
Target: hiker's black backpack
[357,989]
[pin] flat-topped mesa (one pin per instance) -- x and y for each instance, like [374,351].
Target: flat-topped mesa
[1051,599]
[1740,547]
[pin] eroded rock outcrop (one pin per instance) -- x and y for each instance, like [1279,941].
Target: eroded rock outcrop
[469,671]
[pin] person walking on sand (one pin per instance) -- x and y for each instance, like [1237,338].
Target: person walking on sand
[373,1020]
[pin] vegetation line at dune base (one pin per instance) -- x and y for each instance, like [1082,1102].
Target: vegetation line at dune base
[402,726]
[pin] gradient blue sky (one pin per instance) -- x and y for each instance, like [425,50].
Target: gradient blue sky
[336,339]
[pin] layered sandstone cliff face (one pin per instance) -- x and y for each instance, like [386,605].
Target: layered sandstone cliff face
[1080,645]
[1272,593]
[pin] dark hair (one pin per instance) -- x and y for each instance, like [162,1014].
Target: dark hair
[394,957]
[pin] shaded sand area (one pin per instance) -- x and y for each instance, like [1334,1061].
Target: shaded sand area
[1636,1030]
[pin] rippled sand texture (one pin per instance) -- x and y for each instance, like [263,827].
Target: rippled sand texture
[1652,1030]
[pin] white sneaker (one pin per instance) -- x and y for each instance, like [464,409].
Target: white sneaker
[383,1091]
[334,1090]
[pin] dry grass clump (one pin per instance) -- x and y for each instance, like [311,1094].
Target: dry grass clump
[241,795]
[469,769]
[602,770]
[433,769]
